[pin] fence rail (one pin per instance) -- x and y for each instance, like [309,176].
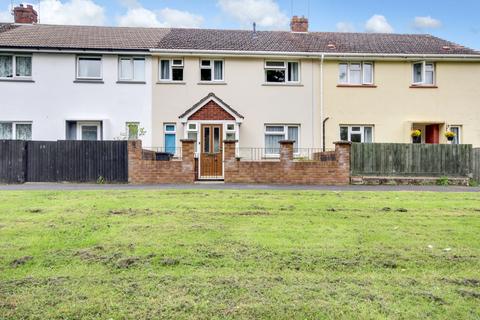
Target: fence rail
[58,161]
[395,159]
[273,154]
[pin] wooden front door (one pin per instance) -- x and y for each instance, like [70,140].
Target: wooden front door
[432,134]
[211,155]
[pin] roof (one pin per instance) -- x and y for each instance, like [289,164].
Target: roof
[124,38]
[205,100]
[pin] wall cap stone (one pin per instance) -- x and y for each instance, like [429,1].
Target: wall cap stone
[188,140]
[343,142]
[286,141]
[230,141]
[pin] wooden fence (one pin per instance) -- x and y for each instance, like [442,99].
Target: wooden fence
[418,160]
[476,164]
[59,161]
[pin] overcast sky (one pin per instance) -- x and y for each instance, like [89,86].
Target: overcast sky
[455,20]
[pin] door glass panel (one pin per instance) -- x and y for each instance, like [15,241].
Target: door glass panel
[206,139]
[89,133]
[216,139]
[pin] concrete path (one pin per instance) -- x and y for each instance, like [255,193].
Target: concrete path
[221,186]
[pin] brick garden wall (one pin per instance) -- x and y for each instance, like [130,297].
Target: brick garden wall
[144,169]
[333,171]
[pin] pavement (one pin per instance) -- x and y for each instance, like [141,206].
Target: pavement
[226,186]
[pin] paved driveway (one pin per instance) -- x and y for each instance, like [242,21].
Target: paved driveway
[221,186]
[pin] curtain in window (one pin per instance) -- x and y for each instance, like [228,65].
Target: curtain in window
[367,135]
[90,67]
[272,145]
[24,66]
[293,71]
[139,69]
[342,73]
[293,135]
[418,73]
[367,73]
[218,70]
[126,72]
[6,67]
[355,73]
[6,129]
[429,74]
[23,132]
[165,70]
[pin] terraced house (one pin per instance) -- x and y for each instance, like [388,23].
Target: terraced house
[162,85]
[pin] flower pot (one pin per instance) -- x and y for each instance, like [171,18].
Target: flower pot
[450,138]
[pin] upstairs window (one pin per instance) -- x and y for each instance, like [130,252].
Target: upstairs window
[282,72]
[211,70]
[15,130]
[15,66]
[132,69]
[89,67]
[362,134]
[356,73]
[423,73]
[171,70]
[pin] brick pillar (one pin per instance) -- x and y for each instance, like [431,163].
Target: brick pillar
[229,159]
[342,153]
[134,149]
[286,150]
[188,158]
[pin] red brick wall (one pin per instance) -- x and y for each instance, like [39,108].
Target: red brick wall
[145,170]
[287,170]
[211,111]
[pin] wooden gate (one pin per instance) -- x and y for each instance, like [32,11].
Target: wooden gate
[211,154]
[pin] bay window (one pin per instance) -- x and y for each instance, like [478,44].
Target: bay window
[362,134]
[131,69]
[282,72]
[171,70]
[276,133]
[89,67]
[15,66]
[355,73]
[15,130]
[211,70]
[423,73]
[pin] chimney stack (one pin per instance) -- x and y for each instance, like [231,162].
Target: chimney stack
[25,14]
[299,24]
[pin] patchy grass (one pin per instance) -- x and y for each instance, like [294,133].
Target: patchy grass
[239,254]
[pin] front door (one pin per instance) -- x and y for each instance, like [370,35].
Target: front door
[432,134]
[211,155]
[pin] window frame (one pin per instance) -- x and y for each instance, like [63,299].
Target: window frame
[362,73]
[14,66]
[424,64]
[285,68]
[128,124]
[14,128]
[97,124]
[131,59]
[79,57]
[361,132]
[212,70]
[170,70]
[283,133]
[458,137]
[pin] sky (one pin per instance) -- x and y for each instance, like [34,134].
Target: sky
[454,20]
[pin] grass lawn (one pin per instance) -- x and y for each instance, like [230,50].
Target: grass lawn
[239,254]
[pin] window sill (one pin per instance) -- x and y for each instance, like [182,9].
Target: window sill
[87,81]
[282,84]
[130,82]
[413,86]
[356,86]
[172,82]
[215,83]
[16,80]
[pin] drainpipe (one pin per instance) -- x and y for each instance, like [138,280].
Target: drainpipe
[321,101]
[323,132]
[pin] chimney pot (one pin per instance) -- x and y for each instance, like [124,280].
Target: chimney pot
[299,24]
[25,14]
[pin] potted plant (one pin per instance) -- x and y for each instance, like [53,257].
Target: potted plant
[416,136]
[450,135]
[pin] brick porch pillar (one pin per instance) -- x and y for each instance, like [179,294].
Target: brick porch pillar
[342,154]
[134,150]
[188,158]
[286,150]
[230,167]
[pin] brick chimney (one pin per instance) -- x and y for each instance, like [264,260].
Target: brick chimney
[25,14]
[299,24]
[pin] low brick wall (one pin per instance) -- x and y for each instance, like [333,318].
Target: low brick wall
[334,171]
[142,168]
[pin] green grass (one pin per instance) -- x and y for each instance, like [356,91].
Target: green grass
[239,254]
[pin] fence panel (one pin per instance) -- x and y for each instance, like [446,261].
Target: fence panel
[396,159]
[476,164]
[12,161]
[41,161]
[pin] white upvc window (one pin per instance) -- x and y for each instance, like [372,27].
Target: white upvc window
[171,70]
[15,130]
[89,130]
[230,132]
[131,69]
[211,70]
[192,133]
[89,67]
[15,66]
[356,133]
[355,73]
[423,73]
[458,134]
[133,130]
[274,133]
[282,72]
